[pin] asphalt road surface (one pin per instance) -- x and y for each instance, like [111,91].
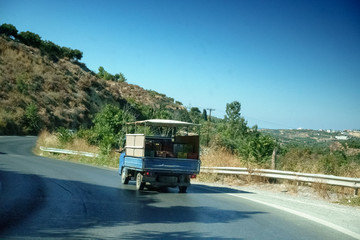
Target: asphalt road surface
[46,198]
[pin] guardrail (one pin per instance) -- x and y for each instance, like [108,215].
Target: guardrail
[65,151]
[293,176]
[269,173]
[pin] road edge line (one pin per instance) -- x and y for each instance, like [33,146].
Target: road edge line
[300,214]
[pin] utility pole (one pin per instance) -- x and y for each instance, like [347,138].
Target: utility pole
[210,109]
[209,121]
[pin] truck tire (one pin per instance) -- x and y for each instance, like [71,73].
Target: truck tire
[124,178]
[182,189]
[139,184]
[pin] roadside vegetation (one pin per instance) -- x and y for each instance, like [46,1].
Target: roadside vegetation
[350,201]
[54,51]
[45,90]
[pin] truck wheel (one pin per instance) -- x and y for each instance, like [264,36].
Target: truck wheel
[124,178]
[182,189]
[139,184]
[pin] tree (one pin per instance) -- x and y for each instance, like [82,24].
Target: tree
[108,127]
[8,30]
[108,76]
[256,147]
[101,72]
[233,111]
[195,114]
[30,39]
[195,111]
[237,125]
[54,51]
[204,115]
[247,142]
[76,55]
[65,52]
[120,77]
[104,74]
[73,55]
[32,119]
[47,47]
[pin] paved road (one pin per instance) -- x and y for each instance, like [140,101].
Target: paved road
[46,198]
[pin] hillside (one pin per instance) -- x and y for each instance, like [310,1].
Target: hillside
[308,137]
[37,91]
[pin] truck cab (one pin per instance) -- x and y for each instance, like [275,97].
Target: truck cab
[160,153]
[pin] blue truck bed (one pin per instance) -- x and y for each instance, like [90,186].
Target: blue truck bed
[158,172]
[168,165]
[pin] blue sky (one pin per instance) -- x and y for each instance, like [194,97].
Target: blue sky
[290,64]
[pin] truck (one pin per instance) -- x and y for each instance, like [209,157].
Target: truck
[160,153]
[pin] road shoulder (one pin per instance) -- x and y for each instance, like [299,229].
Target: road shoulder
[339,217]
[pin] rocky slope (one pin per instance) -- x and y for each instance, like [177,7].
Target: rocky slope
[37,92]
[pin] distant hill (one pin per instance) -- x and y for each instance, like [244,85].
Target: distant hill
[308,137]
[38,92]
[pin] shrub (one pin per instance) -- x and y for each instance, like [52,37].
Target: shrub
[8,30]
[108,128]
[21,84]
[33,121]
[64,135]
[53,50]
[353,143]
[249,143]
[333,163]
[30,39]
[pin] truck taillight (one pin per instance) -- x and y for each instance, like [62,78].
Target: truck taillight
[147,173]
[193,176]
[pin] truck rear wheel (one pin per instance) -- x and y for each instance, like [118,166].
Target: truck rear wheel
[124,178]
[139,183]
[182,189]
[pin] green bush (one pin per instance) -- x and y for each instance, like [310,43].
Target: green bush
[54,51]
[332,163]
[119,77]
[64,135]
[47,47]
[108,130]
[257,147]
[86,134]
[353,143]
[21,84]
[8,30]
[236,136]
[32,119]
[30,39]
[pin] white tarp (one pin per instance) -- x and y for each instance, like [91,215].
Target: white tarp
[164,123]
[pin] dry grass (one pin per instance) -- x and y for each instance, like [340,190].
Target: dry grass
[219,157]
[292,186]
[330,192]
[47,139]
[351,201]
[61,91]
[230,180]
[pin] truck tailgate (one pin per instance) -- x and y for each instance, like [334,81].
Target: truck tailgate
[172,165]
